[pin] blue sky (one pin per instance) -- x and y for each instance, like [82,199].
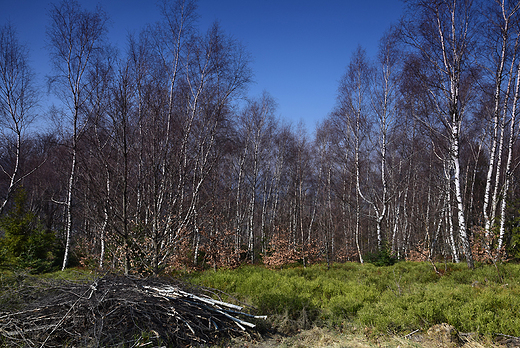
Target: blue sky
[300,48]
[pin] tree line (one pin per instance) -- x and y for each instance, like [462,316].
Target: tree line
[156,161]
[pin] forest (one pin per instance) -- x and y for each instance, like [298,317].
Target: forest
[156,161]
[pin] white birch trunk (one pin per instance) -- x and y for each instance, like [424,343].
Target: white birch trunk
[449,216]
[68,206]
[105,223]
[495,123]
[512,138]
[13,176]
[17,98]
[452,64]
[458,197]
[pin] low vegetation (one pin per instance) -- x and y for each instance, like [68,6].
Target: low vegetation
[348,304]
[397,299]
[25,244]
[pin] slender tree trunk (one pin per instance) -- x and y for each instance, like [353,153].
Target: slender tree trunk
[331,219]
[105,223]
[266,195]
[238,215]
[13,177]
[251,226]
[473,179]
[126,229]
[358,230]
[458,195]
[495,197]
[512,138]
[449,215]
[496,122]
[68,206]
[17,99]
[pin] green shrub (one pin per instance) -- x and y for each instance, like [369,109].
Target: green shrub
[399,298]
[26,244]
[382,257]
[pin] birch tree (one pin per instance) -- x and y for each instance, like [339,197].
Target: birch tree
[185,93]
[350,118]
[258,125]
[163,137]
[117,161]
[443,33]
[17,101]
[327,206]
[384,101]
[501,22]
[75,37]
[513,134]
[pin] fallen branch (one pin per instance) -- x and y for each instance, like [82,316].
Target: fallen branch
[411,333]
[113,309]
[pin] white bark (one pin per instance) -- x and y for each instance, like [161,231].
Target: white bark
[449,214]
[446,48]
[495,123]
[68,209]
[105,224]
[239,217]
[17,98]
[75,37]
[512,138]
[499,122]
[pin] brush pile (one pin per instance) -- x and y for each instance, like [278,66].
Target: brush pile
[115,310]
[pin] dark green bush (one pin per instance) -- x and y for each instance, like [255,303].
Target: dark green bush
[25,243]
[382,257]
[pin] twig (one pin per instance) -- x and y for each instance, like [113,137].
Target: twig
[63,319]
[211,301]
[112,310]
[411,333]
[508,336]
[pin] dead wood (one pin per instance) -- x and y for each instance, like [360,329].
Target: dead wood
[115,310]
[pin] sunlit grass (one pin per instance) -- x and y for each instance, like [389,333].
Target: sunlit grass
[394,299]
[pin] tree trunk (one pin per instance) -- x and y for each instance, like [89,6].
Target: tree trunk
[68,207]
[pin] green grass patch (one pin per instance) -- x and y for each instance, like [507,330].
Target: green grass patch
[392,299]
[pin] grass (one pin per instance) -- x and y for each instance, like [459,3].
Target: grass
[326,338]
[18,287]
[347,304]
[395,299]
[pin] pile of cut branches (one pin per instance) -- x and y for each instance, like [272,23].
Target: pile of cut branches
[114,310]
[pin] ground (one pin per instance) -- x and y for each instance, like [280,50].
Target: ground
[440,336]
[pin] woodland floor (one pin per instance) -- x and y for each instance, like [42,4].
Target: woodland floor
[324,338]
[116,311]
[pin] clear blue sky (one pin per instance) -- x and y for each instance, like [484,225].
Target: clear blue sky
[300,48]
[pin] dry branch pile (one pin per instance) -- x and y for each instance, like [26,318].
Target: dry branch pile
[117,311]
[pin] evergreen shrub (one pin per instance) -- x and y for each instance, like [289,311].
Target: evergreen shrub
[382,257]
[25,243]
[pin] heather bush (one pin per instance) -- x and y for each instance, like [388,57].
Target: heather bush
[400,298]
